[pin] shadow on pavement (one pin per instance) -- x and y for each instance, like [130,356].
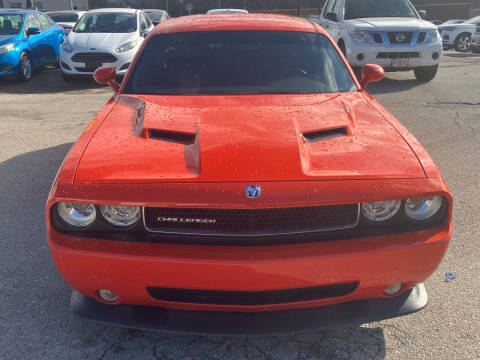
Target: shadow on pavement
[47,81]
[35,317]
[388,85]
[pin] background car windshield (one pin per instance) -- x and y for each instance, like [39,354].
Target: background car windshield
[355,9]
[10,24]
[62,17]
[239,62]
[106,23]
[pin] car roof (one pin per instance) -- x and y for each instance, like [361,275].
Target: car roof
[154,10]
[114,10]
[257,21]
[16,11]
[65,12]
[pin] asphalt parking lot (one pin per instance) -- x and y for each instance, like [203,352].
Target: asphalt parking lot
[39,122]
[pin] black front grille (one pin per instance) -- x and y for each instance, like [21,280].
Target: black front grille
[251,298]
[97,57]
[378,38]
[400,37]
[396,55]
[86,70]
[251,222]
[421,37]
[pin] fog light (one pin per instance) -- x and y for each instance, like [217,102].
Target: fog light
[435,55]
[360,57]
[392,290]
[107,295]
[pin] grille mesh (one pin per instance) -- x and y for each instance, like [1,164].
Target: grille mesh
[392,36]
[250,222]
[97,57]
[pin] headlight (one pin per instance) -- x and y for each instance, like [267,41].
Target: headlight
[80,215]
[6,48]
[450,28]
[380,211]
[423,209]
[120,215]
[127,46]
[361,36]
[67,47]
[433,35]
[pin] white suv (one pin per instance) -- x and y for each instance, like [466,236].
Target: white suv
[458,36]
[389,33]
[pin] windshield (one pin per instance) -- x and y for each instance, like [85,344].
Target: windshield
[239,62]
[10,24]
[106,23]
[63,17]
[355,9]
[474,20]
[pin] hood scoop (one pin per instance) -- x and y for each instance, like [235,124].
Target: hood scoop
[321,135]
[172,136]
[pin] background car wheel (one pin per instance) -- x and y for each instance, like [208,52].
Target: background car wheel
[463,42]
[25,67]
[66,77]
[426,74]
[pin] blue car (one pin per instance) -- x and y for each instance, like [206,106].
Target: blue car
[29,40]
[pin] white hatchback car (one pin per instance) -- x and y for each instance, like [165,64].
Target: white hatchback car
[103,37]
[389,33]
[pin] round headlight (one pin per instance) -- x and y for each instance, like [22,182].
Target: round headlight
[423,209]
[380,211]
[120,215]
[80,215]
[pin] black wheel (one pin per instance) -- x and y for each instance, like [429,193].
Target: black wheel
[426,74]
[25,67]
[66,77]
[463,42]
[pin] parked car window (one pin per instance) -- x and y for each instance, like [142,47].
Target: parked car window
[32,22]
[147,20]
[239,62]
[106,23]
[42,19]
[64,17]
[338,9]
[329,6]
[355,9]
[10,24]
[143,24]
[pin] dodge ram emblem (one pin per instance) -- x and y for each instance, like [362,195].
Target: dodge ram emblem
[253,191]
[400,37]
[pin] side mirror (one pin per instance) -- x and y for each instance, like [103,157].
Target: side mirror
[33,31]
[107,75]
[331,16]
[371,73]
[422,13]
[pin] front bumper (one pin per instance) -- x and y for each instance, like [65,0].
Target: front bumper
[240,323]
[70,67]
[476,40]
[9,63]
[422,55]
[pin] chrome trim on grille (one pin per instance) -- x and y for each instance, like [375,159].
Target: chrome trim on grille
[213,233]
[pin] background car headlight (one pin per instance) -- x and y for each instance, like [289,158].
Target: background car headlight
[120,215]
[433,35]
[361,36]
[6,48]
[67,47]
[423,209]
[127,46]
[380,211]
[80,215]
[450,28]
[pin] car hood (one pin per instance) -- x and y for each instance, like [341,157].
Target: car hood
[99,40]
[391,23]
[245,138]
[7,38]
[471,27]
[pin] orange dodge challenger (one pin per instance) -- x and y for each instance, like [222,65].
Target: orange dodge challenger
[242,181]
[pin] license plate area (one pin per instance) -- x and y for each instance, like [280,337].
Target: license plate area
[93,64]
[401,62]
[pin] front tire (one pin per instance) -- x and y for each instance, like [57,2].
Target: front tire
[25,67]
[66,77]
[463,42]
[426,74]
